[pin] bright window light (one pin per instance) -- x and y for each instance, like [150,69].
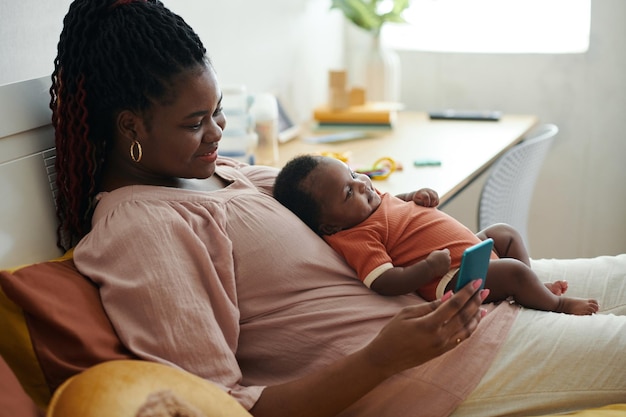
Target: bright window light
[493,26]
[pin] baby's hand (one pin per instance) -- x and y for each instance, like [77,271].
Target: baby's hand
[439,262]
[426,197]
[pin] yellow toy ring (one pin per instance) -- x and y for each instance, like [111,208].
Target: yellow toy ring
[382,169]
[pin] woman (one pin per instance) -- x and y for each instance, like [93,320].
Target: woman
[199,267]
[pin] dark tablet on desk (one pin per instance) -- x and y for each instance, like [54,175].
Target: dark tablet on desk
[479,115]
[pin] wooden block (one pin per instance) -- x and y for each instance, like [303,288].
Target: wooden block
[338,99]
[357,96]
[337,79]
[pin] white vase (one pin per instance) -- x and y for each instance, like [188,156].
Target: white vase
[382,72]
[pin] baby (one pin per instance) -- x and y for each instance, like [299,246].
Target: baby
[403,244]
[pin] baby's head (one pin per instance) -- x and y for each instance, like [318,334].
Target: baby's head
[325,193]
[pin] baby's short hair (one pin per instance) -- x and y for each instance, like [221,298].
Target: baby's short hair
[290,191]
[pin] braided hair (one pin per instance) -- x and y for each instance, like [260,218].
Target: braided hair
[290,191]
[112,55]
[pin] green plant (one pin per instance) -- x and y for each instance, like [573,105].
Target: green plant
[370,15]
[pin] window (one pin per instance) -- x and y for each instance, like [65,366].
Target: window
[493,26]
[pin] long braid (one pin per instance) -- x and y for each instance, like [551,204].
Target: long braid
[112,55]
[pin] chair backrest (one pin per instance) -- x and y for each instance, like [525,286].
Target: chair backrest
[508,190]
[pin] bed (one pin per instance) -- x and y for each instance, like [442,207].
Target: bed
[56,338]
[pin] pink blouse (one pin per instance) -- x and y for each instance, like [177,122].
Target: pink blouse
[231,286]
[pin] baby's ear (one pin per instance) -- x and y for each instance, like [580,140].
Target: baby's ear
[328,229]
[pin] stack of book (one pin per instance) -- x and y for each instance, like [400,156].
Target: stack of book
[368,115]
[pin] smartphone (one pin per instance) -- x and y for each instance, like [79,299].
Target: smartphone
[474,263]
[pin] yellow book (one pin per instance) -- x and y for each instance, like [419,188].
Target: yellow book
[369,113]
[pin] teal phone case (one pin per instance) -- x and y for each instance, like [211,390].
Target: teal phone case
[474,263]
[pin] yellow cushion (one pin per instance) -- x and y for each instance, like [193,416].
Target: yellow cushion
[119,388]
[17,350]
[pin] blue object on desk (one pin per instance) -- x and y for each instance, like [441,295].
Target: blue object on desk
[427,162]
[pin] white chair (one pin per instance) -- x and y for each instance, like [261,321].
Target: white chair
[508,190]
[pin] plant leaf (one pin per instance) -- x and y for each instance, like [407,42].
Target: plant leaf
[392,17]
[361,14]
[400,6]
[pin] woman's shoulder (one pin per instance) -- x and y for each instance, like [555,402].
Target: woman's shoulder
[147,199]
[145,202]
[140,193]
[260,176]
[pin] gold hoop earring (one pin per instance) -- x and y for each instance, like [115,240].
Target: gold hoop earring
[135,151]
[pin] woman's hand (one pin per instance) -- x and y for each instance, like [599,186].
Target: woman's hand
[422,332]
[414,336]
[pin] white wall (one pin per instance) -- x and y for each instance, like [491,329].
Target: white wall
[287,46]
[29,32]
[282,46]
[579,208]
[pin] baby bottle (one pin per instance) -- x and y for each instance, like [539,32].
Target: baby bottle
[264,110]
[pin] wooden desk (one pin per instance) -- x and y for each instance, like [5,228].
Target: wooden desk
[465,149]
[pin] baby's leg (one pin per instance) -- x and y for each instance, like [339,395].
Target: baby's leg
[512,278]
[507,242]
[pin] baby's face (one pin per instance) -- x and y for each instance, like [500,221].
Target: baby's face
[346,198]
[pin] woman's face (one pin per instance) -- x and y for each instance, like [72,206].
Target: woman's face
[346,198]
[181,135]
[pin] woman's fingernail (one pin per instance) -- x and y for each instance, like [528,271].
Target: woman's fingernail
[446,296]
[476,284]
[483,312]
[484,293]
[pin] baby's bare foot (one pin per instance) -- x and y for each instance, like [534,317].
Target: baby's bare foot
[577,306]
[557,287]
